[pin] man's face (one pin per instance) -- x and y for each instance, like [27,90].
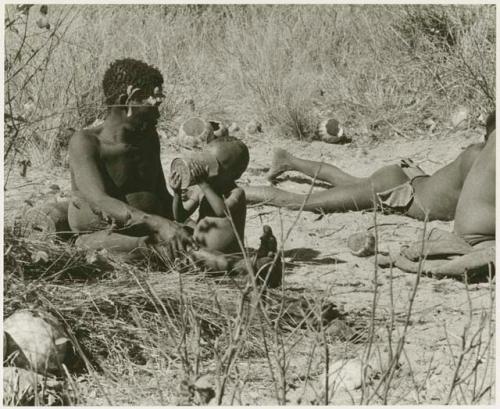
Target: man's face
[144,108]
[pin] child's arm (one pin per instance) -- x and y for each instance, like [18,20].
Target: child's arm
[234,202]
[181,210]
[216,202]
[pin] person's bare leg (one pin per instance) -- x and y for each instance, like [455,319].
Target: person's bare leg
[409,266]
[129,247]
[437,243]
[477,260]
[457,266]
[356,196]
[283,161]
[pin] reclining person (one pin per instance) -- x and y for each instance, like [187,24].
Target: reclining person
[220,201]
[402,188]
[473,239]
[119,195]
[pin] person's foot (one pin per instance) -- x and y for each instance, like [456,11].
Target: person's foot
[279,164]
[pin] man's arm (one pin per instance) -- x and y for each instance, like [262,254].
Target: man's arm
[84,157]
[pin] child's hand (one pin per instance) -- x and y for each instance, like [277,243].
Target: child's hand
[198,172]
[174,180]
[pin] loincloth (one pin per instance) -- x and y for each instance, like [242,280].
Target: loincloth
[475,239]
[399,199]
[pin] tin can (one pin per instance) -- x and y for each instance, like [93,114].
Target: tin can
[183,168]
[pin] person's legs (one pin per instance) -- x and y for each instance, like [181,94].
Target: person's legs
[96,233]
[284,161]
[436,243]
[356,196]
[475,262]
[128,247]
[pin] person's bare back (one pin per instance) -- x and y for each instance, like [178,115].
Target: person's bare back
[436,196]
[475,215]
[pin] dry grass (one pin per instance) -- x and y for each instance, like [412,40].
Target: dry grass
[143,335]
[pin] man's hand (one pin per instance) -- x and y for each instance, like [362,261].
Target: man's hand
[173,238]
[174,180]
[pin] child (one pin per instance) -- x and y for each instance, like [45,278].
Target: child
[221,202]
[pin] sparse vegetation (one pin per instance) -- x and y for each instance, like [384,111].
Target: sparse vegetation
[181,336]
[380,69]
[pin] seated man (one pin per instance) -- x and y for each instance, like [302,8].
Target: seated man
[119,195]
[119,198]
[220,201]
[400,188]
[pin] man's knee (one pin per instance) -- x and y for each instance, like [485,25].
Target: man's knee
[387,178]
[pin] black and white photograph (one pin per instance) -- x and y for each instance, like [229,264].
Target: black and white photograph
[249,204]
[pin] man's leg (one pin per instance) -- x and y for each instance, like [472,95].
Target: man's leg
[475,262]
[357,196]
[284,161]
[340,199]
[128,247]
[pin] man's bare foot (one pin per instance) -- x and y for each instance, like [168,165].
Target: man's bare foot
[279,164]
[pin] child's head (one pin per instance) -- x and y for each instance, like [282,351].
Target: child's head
[232,156]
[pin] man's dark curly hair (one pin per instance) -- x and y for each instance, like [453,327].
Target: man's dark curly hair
[125,72]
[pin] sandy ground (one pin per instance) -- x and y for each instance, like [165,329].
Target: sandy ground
[318,257]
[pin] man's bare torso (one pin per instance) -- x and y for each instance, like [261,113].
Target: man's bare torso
[130,167]
[476,207]
[438,194]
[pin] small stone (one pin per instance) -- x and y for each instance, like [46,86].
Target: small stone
[459,116]
[253,127]
[348,375]
[43,23]
[362,244]
[234,127]
[330,131]
[204,389]
[40,256]
[39,337]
